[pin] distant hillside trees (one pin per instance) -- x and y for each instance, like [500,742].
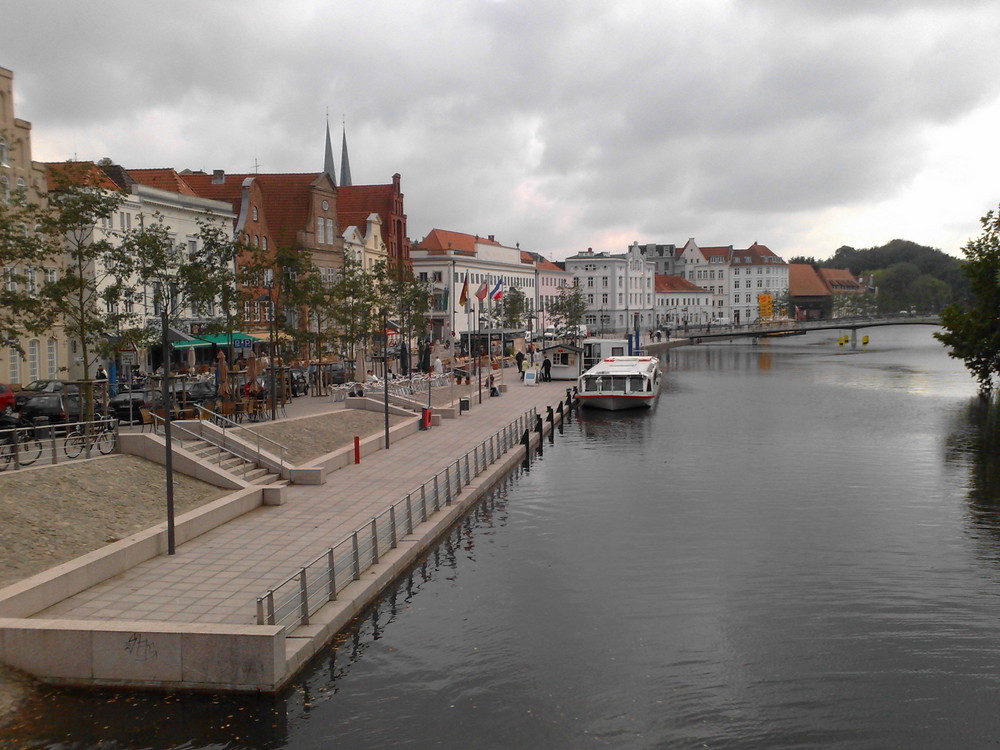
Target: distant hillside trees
[906,275]
[972,329]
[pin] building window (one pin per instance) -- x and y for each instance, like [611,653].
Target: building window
[192,249]
[13,366]
[34,373]
[9,282]
[320,230]
[438,276]
[5,189]
[30,284]
[329,231]
[53,359]
[4,154]
[254,212]
[51,275]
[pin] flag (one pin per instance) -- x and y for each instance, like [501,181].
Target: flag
[463,300]
[482,291]
[497,292]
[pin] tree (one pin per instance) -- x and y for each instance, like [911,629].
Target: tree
[569,307]
[512,309]
[352,307]
[972,331]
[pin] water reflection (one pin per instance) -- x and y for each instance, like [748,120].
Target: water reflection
[972,455]
[68,719]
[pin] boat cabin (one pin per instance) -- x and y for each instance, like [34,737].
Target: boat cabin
[596,350]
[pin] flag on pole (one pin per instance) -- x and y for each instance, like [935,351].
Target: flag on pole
[463,300]
[482,291]
[497,292]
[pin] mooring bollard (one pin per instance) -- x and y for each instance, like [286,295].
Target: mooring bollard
[526,442]
[550,415]
[538,424]
[357,449]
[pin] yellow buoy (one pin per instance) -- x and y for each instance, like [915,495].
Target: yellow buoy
[864,340]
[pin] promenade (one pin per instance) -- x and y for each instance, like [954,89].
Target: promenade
[215,578]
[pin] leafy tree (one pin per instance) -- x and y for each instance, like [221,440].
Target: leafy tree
[893,286]
[513,309]
[352,307]
[972,331]
[569,307]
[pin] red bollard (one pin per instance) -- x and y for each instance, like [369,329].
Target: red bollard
[357,449]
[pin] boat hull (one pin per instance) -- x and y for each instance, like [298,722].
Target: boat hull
[616,403]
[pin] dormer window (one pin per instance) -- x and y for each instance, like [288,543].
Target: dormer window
[254,212]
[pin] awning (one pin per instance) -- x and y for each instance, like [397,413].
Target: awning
[220,339]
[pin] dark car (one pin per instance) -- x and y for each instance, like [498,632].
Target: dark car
[8,403]
[57,407]
[334,373]
[126,405]
[36,387]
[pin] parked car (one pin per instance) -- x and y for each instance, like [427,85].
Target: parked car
[36,387]
[126,405]
[8,403]
[57,407]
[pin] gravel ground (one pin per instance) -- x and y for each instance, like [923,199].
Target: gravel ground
[311,437]
[53,514]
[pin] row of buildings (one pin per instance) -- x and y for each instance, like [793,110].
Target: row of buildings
[645,287]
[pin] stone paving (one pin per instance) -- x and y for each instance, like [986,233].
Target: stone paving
[216,577]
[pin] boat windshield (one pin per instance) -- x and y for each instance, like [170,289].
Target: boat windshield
[613,383]
[590,384]
[636,383]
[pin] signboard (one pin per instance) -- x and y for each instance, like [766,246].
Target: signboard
[765,303]
[242,343]
[127,345]
[530,377]
[128,358]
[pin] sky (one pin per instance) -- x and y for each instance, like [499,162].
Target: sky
[804,125]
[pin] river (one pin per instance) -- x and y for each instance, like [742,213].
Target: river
[799,547]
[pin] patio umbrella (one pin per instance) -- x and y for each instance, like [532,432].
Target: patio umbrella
[222,375]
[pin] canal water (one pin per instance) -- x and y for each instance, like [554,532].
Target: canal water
[799,547]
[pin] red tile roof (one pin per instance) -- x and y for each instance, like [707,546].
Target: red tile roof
[65,173]
[356,202]
[230,190]
[803,281]
[840,280]
[443,239]
[666,283]
[164,179]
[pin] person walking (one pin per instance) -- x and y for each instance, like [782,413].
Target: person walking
[519,359]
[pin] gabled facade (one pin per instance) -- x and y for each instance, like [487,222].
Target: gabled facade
[49,355]
[759,278]
[618,289]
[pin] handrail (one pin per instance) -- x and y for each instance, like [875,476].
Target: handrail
[52,428]
[224,419]
[180,428]
[323,577]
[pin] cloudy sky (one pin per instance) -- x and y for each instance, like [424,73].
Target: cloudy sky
[560,125]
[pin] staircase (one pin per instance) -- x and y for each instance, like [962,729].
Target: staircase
[241,468]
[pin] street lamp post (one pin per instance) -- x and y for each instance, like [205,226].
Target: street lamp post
[270,338]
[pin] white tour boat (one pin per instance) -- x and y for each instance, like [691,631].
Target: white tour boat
[620,383]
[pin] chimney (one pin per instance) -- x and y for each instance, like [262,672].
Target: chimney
[218,176]
[491,238]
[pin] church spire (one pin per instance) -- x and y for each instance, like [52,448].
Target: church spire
[345,164]
[329,168]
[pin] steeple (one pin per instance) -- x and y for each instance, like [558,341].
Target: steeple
[345,164]
[329,168]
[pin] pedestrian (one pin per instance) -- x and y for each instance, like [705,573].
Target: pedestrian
[546,369]
[531,353]
[438,366]
[100,374]
[519,358]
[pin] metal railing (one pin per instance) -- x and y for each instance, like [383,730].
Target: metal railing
[319,581]
[246,464]
[26,444]
[226,423]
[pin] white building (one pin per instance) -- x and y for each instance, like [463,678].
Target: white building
[618,289]
[680,302]
[738,280]
[446,259]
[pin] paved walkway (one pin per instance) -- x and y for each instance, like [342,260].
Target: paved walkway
[217,577]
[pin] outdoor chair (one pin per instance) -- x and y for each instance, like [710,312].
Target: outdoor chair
[146,418]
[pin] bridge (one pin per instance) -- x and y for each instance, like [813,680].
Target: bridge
[788,327]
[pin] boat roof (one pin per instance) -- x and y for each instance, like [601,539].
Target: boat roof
[624,365]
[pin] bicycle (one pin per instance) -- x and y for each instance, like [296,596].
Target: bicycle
[28,449]
[104,439]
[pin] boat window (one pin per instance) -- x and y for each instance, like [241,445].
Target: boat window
[635,383]
[617,351]
[613,383]
[590,384]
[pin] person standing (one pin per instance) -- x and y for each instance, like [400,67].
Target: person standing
[546,369]
[438,366]
[519,359]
